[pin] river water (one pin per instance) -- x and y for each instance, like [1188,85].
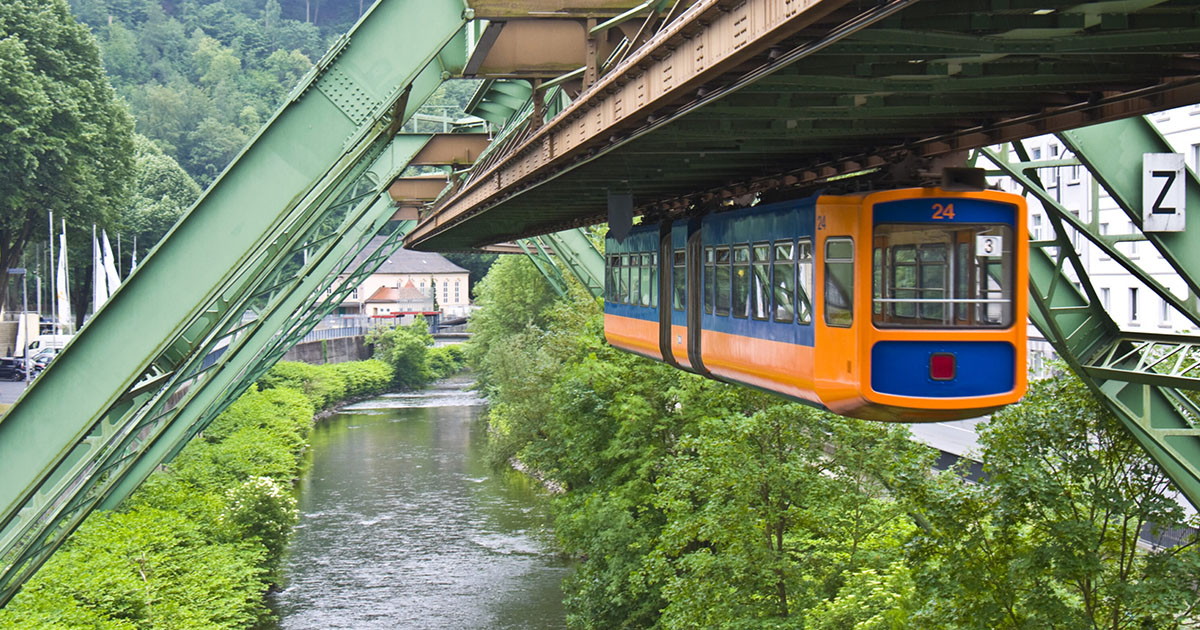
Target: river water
[404,525]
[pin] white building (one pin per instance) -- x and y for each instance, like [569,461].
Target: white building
[1131,304]
[390,289]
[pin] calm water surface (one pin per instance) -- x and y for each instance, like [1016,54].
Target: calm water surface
[403,525]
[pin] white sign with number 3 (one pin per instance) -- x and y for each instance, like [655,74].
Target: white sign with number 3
[989,246]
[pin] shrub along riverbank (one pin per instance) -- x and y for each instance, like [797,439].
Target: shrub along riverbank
[199,544]
[696,504]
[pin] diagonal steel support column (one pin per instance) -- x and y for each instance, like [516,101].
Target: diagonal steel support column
[541,259]
[160,342]
[1148,381]
[581,257]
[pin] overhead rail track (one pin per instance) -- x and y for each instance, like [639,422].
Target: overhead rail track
[765,96]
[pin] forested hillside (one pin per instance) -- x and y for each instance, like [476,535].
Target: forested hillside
[201,76]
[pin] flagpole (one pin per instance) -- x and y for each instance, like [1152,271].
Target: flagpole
[53,302]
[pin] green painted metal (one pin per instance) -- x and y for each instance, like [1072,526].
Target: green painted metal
[1149,381]
[109,409]
[580,256]
[541,259]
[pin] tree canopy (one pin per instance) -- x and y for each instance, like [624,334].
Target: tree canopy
[68,140]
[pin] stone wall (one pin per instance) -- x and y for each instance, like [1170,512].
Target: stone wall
[337,350]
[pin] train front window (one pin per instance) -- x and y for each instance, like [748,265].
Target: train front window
[957,275]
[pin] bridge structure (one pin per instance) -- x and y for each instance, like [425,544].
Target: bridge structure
[660,108]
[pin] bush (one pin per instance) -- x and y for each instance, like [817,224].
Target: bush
[364,377]
[197,545]
[322,385]
[445,361]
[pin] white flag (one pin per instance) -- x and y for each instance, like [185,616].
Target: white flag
[99,281]
[110,264]
[60,283]
[133,259]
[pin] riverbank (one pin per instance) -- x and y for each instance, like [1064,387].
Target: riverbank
[201,541]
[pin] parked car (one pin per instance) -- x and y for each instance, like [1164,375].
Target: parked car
[11,370]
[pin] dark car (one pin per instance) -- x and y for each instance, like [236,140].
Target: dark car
[11,370]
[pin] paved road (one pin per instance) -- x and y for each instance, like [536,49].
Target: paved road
[10,390]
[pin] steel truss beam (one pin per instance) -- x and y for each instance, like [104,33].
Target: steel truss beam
[569,252]
[186,332]
[1149,381]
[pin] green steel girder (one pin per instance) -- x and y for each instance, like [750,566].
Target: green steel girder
[99,414]
[1148,381]
[579,255]
[541,259]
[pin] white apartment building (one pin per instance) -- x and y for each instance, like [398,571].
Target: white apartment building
[1132,305]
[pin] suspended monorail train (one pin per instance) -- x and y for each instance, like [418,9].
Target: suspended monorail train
[902,305]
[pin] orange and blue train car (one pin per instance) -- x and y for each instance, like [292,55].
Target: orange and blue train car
[903,305]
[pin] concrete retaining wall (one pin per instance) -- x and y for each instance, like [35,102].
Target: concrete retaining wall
[337,350]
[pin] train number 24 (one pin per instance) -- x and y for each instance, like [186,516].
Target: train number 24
[943,212]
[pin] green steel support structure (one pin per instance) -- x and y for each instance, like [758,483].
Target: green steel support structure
[567,252]
[228,290]
[1148,380]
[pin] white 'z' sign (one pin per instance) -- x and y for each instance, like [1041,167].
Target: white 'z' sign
[1163,192]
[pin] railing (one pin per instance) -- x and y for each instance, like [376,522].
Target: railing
[334,333]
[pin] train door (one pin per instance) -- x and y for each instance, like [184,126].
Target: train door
[695,296]
[837,307]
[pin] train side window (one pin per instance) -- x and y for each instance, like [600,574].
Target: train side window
[804,261]
[635,280]
[647,274]
[624,278]
[679,280]
[614,265]
[741,280]
[839,282]
[722,282]
[710,270]
[760,280]
[653,280]
[784,283]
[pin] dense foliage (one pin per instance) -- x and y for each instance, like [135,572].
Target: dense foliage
[694,504]
[67,141]
[410,353]
[197,546]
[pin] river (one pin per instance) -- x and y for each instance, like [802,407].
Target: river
[404,525]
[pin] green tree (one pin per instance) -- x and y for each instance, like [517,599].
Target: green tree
[1051,539]
[69,144]
[162,192]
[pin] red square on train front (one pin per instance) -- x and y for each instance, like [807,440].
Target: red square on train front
[942,366]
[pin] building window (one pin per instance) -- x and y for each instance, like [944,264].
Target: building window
[1164,312]
[1037,153]
[1053,150]
[1106,298]
[1133,304]
[1037,227]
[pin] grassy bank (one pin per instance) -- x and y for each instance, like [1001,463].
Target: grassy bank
[201,541]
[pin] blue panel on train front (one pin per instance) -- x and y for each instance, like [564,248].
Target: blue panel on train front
[982,368]
[961,210]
